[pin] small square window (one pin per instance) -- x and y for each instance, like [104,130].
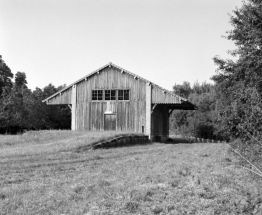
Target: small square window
[123,94]
[110,94]
[97,94]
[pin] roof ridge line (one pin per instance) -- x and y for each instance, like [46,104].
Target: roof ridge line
[120,68]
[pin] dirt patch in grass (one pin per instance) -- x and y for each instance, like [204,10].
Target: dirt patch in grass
[143,179]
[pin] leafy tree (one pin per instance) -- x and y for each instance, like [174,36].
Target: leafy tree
[240,81]
[37,114]
[199,123]
[13,113]
[20,80]
[20,108]
[183,90]
[5,76]
[59,117]
[42,116]
[202,88]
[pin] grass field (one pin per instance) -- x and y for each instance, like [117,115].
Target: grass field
[42,173]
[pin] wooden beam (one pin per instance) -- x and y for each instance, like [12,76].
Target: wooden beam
[170,112]
[153,108]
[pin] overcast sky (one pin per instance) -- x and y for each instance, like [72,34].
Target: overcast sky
[164,41]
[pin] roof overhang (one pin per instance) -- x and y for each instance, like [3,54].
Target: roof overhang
[184,105]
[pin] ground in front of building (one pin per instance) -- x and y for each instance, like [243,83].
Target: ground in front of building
[42,173]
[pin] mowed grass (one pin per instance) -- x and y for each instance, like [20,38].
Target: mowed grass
[42,173]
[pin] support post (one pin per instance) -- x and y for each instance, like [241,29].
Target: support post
[73,108]
[148,109]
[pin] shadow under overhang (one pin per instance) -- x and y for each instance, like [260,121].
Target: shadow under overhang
[184,105]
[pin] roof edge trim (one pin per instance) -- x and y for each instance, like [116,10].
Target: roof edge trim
[121,70]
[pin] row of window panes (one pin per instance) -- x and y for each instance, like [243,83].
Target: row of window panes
[110,95]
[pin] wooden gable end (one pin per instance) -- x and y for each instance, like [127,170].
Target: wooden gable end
[111,78]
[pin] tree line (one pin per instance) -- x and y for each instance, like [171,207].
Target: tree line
[231,108]
[22,109]
[239,82]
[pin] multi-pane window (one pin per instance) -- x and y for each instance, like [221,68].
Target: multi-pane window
[110,94]
[123,94]
[97,94]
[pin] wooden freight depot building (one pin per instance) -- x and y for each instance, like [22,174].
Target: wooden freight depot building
[112,98]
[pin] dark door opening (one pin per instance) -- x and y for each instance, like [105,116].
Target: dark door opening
[110,122]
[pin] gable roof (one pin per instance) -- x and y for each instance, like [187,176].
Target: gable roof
[122,70]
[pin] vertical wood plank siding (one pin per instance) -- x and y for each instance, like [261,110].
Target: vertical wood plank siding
[159,96]
[64,98]
[136,114]
[130,115]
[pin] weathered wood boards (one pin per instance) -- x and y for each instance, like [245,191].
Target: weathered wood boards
[61,98]
[109,122]
[129,114]
[114,99]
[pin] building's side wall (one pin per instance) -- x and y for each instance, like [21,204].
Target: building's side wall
[61,99]
[160,124]
[130,115]
[159,96]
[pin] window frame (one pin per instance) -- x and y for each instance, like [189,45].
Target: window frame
[123,90]
[97,94]
[110,95]
[103,98]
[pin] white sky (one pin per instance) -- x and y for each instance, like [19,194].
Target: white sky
[164,41]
